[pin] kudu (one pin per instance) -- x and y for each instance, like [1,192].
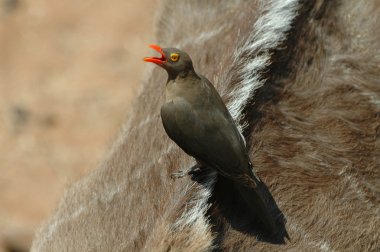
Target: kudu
[302,79]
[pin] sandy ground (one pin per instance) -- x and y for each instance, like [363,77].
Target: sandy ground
[68,74]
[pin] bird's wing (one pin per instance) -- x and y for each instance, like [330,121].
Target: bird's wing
[226,113]
[208,135]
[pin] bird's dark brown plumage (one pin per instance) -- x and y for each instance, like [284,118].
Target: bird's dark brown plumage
[195,117]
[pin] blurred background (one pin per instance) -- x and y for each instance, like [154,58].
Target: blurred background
[68,74]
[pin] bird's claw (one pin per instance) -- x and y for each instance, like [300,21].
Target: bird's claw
[192,171]
[179,174]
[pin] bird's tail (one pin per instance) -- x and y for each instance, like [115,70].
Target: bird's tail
[256,203]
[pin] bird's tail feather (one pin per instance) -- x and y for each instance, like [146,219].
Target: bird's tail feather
[256,203]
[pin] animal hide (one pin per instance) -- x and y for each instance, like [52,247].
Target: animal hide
[302,81]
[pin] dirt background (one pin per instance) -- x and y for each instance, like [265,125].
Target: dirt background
[68,74]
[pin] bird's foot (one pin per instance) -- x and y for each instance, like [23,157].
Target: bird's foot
[190,171]
[179,174]
[194,170]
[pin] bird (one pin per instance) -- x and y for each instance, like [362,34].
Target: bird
[195,117]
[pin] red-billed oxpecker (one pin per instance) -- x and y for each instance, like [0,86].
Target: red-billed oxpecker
[195,117]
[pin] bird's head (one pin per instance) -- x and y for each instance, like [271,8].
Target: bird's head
[174,61]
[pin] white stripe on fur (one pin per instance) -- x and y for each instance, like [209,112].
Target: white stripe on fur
[268,32]
[195,216]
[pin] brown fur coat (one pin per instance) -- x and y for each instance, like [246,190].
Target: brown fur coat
[302,79]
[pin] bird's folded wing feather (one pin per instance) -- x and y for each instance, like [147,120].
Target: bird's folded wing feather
[207,135]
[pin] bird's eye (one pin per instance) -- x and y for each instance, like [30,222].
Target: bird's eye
[174,57]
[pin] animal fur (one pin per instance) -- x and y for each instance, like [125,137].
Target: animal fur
[302,79]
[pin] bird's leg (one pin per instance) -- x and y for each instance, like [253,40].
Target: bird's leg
[189,171]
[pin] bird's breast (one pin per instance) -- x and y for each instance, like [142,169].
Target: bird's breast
[186,90]
[172,91]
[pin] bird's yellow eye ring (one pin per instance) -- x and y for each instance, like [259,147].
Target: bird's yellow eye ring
[174,57]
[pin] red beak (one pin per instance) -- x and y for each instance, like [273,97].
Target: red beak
[158,61]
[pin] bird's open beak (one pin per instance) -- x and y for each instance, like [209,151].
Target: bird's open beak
[158,61]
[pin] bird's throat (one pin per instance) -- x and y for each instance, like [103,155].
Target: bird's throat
[182,86]
[188,73]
